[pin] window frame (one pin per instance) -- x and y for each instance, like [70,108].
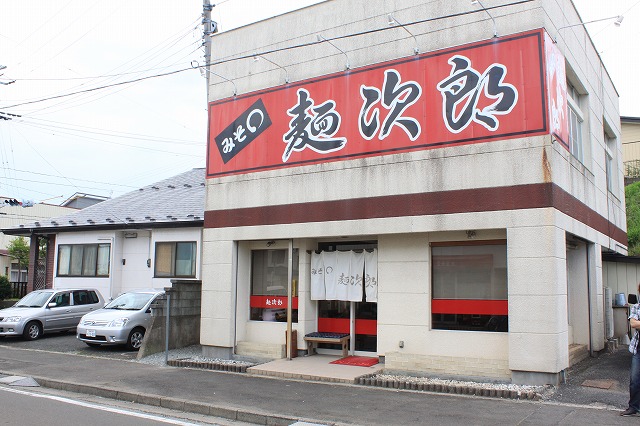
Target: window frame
[457,308]
[174,259]
[611,168]
[576,141]
[92,272]
[274,305]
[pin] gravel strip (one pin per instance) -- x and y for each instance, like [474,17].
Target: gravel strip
[190,353]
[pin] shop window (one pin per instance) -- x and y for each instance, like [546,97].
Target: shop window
[269,274]
[175,260]
[469,286]
[83,260]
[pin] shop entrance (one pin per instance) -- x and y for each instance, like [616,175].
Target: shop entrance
[358,319]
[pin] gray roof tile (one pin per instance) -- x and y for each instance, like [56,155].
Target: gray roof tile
[178,200]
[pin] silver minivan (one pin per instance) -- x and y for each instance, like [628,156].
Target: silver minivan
[124,320]
[45,311]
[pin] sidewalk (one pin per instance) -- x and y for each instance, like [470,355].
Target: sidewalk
[264,400]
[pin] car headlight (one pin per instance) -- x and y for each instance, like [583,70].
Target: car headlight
[12,319]
[120,322]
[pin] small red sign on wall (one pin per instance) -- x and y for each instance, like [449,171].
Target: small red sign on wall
[489,90]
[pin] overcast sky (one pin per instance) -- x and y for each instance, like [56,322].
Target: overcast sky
[111,141]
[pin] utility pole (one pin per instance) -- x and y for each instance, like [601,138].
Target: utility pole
[209,28]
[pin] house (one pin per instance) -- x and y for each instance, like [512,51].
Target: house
[13,215]
[631,148]
[436,180]
[141,239]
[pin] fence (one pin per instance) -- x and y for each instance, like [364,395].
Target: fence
[18,290]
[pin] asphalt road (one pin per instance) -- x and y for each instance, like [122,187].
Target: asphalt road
[23,407]
[67,343]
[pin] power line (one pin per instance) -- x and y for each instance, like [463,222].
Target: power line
[75,179]
[372,31]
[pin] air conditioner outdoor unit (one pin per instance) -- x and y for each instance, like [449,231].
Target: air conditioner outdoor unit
[608,312]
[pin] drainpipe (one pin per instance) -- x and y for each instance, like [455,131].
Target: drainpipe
[289,303]
[589,301]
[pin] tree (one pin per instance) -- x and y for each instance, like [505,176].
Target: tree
[632,200]
[5,287]
[19,250]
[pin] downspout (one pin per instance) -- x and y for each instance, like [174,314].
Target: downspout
[589,301]
[289,293]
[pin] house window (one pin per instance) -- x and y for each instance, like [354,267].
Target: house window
[576,120]
[175,260]
[469,286]
[269,274]
[83,260]
[17,274]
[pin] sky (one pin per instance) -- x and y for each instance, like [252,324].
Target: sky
[112,140]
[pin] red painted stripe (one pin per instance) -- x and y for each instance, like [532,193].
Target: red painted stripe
[272,302]
[341,325]
[369,327]
[474,307]
[333,325]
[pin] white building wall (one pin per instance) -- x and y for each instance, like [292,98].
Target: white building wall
[538,335]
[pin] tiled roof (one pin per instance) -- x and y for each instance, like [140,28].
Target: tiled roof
[176,201]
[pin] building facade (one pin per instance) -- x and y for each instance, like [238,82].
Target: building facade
[438,180]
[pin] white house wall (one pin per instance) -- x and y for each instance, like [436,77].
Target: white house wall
[134,272]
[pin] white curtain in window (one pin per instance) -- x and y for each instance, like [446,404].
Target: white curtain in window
[371,276]
[317,277]
[355,282]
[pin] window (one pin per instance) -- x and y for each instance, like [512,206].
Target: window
[83,260]
[611,160]
[84,297]
[175,259]
[576,118]
[269,274]
[469,286]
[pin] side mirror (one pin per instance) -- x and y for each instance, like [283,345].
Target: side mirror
[52,305]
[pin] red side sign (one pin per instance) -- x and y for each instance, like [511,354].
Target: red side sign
[489,90]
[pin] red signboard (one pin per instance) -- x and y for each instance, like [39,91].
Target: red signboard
[273,302]
[489,90]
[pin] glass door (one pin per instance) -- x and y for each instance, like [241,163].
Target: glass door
[358,319]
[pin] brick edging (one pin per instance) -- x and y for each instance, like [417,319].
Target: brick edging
[452,389]
[219,366]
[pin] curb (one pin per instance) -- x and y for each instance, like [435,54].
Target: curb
[172,403]
[452,389]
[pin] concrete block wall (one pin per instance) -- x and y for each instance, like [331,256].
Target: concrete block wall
[448,365]
[184,318]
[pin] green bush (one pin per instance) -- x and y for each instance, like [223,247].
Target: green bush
[5,287]
[632,198]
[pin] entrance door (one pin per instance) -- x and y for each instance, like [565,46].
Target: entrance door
[358,319]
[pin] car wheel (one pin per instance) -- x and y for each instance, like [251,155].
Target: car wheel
[135,339]
[32,331]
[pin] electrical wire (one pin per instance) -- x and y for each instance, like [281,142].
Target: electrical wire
[76,179]
[375,30]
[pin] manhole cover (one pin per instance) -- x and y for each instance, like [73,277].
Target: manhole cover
[600,384]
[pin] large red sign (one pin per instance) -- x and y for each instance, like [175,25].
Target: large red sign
[490,90]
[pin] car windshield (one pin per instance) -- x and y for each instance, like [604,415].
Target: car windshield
[35,299]
[130,301]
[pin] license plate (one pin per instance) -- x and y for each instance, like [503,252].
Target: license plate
[91,333]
